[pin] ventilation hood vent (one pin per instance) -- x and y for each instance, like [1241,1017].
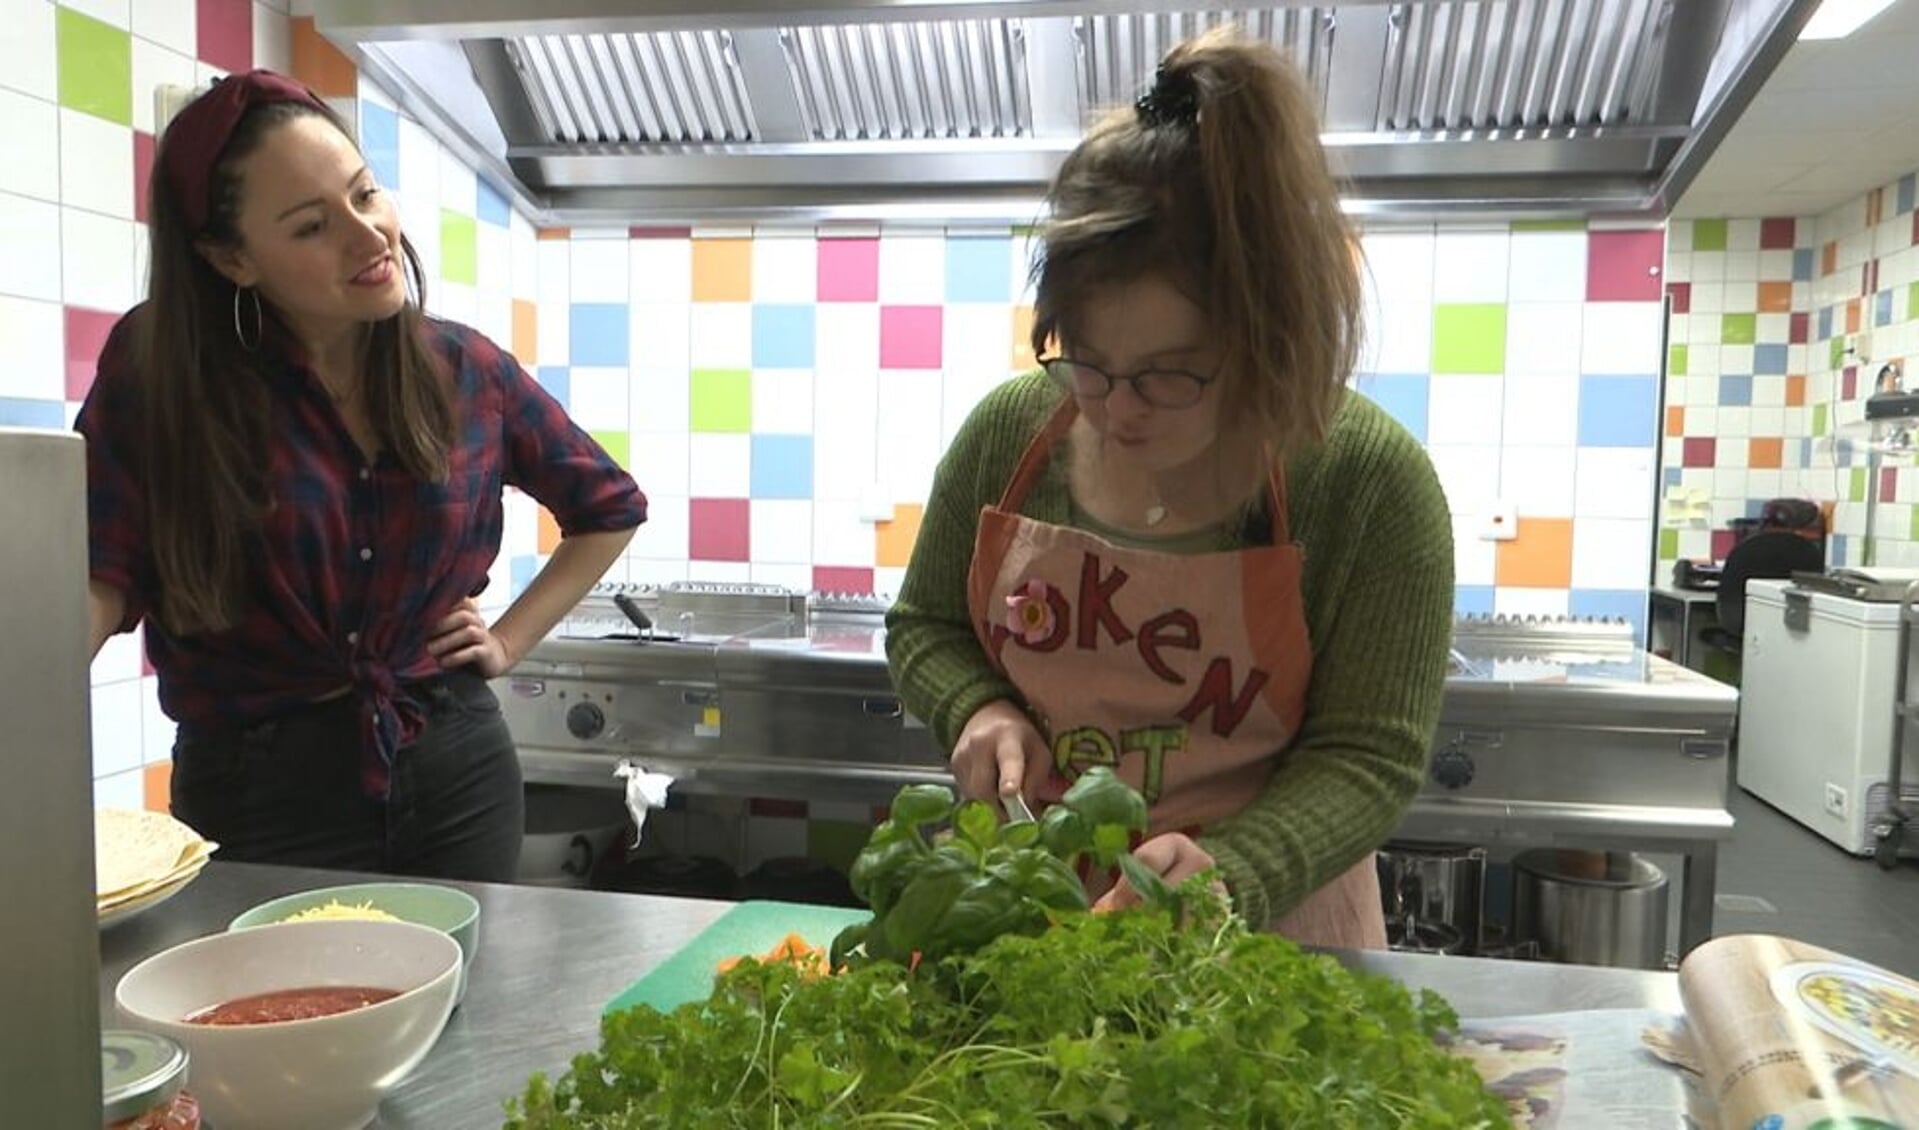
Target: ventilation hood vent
[818,110]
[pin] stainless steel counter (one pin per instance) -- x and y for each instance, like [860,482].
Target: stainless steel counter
[550,959]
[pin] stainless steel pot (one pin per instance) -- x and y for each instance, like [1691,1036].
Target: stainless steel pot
[1591,908]
[1432,885]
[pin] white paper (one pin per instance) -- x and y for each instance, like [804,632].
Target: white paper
[1581,1070]
[645,791]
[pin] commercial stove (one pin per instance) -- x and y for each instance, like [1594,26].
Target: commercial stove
[1554,732]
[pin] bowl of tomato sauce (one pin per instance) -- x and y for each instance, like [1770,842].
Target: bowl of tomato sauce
[306,1026]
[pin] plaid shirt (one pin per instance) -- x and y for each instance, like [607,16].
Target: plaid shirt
[357,561]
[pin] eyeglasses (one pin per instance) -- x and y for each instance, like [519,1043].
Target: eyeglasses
[1161,388]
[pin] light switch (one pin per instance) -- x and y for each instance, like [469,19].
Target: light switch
[1501,523]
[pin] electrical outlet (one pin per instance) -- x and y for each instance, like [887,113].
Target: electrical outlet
[1500,523]
[1835,800]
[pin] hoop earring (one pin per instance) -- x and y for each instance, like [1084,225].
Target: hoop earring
[239,334]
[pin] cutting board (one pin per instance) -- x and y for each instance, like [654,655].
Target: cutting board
[749,928]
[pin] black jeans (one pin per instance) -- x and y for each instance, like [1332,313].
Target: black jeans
[288,790]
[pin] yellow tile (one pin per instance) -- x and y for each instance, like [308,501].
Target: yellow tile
[526,332]
[893,546]
[722,270]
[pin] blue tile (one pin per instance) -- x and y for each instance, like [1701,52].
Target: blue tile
[1613,604]
[1769,360]
[1404,397]
[380,141]
[20,413]
[493,208]
[1837,547]
[1673,476]
[1473,600]
[1882,308]
[1755,507]
[1735,391]
[1618,411]
[783,337]
[599,332]
[1802,264]
[1825,323]
[557,380]
[1906,192]
[979,269]
[782,466]
[525,566]
[1805,452]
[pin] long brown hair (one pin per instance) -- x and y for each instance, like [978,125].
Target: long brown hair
[208,438]
[1231,198]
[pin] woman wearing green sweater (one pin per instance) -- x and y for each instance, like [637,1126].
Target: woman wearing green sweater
[1181,550]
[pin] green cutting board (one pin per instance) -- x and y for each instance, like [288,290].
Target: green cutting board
[749,928]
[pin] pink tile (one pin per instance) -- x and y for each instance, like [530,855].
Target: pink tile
[1915,227]
[1777,233]
[1849,383]
[1700,451]
[720,529]
[142,172]
[659,233]
[910,337]
[849,270]
[1623,266]
[1888,484]
[839,578]
[1681,295]
[226,34]
[1869,276]
[1801,328]
[1722,543]
[86,333]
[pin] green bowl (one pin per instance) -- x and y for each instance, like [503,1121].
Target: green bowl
[446,909]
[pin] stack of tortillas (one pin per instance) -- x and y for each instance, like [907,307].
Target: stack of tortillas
[139,854]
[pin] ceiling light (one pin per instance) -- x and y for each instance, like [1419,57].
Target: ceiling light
[1837,19]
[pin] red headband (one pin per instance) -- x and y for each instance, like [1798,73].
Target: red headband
[200,132]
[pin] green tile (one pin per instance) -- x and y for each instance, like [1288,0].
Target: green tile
[1912,301]
[1676,361]
[836,842]
[1669,545]
[1819,419]
[617,445]
[1738,329]
[1549,225]
[1469,338]
[1913,533]
[1836,355]
[722,400]
[1856,491]
[459,248]
[96,67]
[1709,235]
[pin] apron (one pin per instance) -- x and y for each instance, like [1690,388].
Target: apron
[1185,673]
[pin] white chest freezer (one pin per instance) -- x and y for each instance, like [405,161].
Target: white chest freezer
[1816,708]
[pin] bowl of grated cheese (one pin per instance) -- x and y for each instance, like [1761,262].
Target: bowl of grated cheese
[447,909]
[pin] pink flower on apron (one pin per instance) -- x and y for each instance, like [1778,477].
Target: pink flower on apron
[1029,612]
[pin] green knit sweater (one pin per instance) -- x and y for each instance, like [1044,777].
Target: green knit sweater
[1378,590]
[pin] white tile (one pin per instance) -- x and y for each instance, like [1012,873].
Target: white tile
[96,260]
[797,577]
[1735,421]
[493,260]
[1742,266]
[116,727]
[782,532]
[1399,272]
[667,533]
[459,188]
[96,165]
[29,52]
[1621,338]
[1773,329]
[722,466]
[1776,266]
[662,270]
[1742,235]
[30,231]
[272,39]
[1471,266]
[1768,392]
[113,12]
[913,269]
[783,401]
[122,790]
[555,312]
[1541,411]
[1544,337]
[600,269]
[647,571]
[204,74]
[1707,298]
[909,433]
[157,731]
[1469,475]
[978,340]
[720,572]
[1511,601]
[1740,296]
[1678,264]
[786,266]
[1770,420]
[1460,409]
[661,400]
[1767,484]
[722,335]
[118,660]
[156,65]
[597,398]
[1475,561]
[1708,267]
[1735,359]
[1549,266]
[419,190]
[841,536]
[1614,482]
[1612,553]
[662,462]
[30,146]
[32,350]
[1537,481]
[525,250]
[845,433]
[887,580]
[1399,339]
[662,335]
[847,336]
[960,394]
[453,301]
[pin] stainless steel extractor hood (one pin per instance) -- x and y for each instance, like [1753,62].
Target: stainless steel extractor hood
[608,112]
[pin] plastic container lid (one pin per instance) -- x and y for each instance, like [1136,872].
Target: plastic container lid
[139,1071]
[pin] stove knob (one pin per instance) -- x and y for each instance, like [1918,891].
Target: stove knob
[585,720]
[1453,767]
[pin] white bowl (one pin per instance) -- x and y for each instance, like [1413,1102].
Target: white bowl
[329,1073]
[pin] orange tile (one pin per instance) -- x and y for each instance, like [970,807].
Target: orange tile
[1829,258]
[321,65]
[893,546]
[156,786]
[554,233]
[1875,206]
[1795,392]
[549,531]
[526,332]
[1852,316]
[1023,359]
[1675,421]
[722,270]
[1766,453]
[1541,557]
[1775,298]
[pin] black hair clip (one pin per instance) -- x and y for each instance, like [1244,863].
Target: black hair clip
[1173,98]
